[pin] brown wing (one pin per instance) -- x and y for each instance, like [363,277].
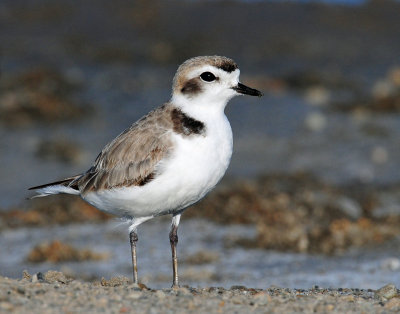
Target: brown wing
[131,158]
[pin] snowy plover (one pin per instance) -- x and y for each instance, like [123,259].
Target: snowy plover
[170,158]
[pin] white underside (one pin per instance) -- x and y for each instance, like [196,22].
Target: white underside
[195,166]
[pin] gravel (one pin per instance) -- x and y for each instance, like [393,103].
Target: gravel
[54,292]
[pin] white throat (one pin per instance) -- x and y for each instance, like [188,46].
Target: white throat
[201,107]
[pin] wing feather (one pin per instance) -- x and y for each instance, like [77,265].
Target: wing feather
[132,158]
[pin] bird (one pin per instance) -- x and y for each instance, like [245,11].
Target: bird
[170,158]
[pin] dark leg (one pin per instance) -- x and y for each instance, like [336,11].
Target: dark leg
[133,239]
[173,239]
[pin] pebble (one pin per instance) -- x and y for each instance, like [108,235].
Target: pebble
[349,298]
[236,300]
[26,275]
[393,304]
[7,306]
[183,291]
[134,295]
[261,298]
[102,302]
[387,292]
[38,277]
[160,294]
[55,276]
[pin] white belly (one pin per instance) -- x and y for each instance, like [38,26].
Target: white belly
[194,168]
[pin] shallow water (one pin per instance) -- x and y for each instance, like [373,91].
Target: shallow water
[233,266]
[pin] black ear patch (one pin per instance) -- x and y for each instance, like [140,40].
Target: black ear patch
[183,124]
[191,87]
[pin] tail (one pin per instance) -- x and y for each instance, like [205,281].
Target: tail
[66,186]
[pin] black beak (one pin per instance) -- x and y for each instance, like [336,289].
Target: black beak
[243,89]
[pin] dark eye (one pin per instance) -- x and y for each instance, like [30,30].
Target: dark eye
[207,76]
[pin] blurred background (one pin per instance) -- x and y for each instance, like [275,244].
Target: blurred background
[312,194]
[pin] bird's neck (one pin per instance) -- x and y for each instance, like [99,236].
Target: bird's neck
[200,108]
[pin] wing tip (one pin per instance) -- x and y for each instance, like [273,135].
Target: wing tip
[62,186]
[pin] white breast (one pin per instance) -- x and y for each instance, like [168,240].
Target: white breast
[196,165]
[199,163]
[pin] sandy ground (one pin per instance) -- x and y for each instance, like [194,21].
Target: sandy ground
[53,292]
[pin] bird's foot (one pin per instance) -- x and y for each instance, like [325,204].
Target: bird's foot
[175,286]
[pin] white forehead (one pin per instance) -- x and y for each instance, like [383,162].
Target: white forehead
[222,74]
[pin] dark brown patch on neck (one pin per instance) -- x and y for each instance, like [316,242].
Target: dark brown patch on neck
[191,87]
[228,66]
[183,124]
